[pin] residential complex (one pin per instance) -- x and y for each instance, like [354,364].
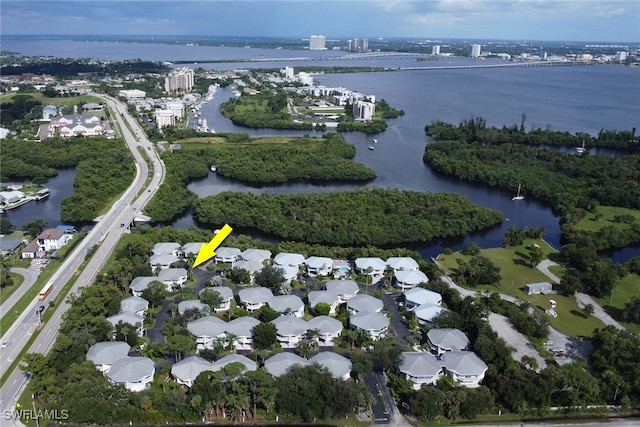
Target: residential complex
[180,80]
[317,42]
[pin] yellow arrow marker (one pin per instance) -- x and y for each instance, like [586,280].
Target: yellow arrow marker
[207,251]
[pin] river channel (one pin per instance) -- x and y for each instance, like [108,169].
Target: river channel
[573,99]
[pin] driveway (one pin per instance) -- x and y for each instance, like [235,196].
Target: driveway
[515,339]
[582,298]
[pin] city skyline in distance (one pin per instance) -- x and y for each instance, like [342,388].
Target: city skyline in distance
[544,20]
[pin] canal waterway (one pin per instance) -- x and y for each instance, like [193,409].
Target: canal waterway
[573,99]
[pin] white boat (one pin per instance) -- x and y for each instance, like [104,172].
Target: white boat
[518,196]
[375,141]
[582,149]
[213,168]
[371,147]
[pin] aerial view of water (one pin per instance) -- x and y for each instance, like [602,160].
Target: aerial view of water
[573,99]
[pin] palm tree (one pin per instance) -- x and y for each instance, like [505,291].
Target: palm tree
[368,278]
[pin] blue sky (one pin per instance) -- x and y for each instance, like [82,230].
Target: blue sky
[570,20]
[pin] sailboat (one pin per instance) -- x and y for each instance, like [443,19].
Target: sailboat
[518,196]
[580,150]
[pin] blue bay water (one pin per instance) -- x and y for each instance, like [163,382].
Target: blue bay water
[573,99]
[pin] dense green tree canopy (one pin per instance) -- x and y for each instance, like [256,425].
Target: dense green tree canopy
[375,216]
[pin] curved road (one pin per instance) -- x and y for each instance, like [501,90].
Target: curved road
[106,234]
[30,276]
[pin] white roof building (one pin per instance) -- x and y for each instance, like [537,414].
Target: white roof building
[408,279]
[191,248]
[377,266]
[426,312]
[402,263]
[162,261]
[418,296]
[252,267]
[135,373]
[318,266]
[173,277]
[290,259]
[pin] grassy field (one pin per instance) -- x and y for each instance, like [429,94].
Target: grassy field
[7,291]
[517,272]
[590,222]
[625,288]
[68,102]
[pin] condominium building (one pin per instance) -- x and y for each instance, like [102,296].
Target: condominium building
[363,110]
[180,80]
[435,49]
[317,42]
[475,50]
[165,118]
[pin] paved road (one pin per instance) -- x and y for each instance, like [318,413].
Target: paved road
[575,348]
[107,233]
[30,276]
[582,298]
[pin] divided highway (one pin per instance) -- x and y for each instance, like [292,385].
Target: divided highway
[106,233]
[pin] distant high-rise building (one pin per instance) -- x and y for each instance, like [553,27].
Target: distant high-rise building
[350,45]
[356,44]
[475,50]
[288,73]
[621,56]
[180,80]
[317,42]
[365,45]
[435,49]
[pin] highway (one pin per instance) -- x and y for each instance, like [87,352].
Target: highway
[108,231]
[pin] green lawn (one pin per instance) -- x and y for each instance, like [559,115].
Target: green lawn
[8,290]
[517,272]
[515,268]
[625,288]
[590,223]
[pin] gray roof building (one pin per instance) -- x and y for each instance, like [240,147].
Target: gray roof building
[375,324]
[134,372]
[447,339]
[173,275]
[186,371]
[426,312]
[464,363]
[163,259]
[207,327]
[280,363]
[410,278]
[326,297]
[192,248]
[345,289]
[242,326]
[166,248]
[226,254]
[257,255]
[134,304]
[284,304]
[141,283]
[226,293]
[253,296]
[107,352]
[339,366]
[325,324]
[402,263]
[421,368]
[249,365]
[364,303]
[126,317]
[191,304]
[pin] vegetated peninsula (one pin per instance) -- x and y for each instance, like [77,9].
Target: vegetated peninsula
[357,217]
[573,185]
[264,160]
